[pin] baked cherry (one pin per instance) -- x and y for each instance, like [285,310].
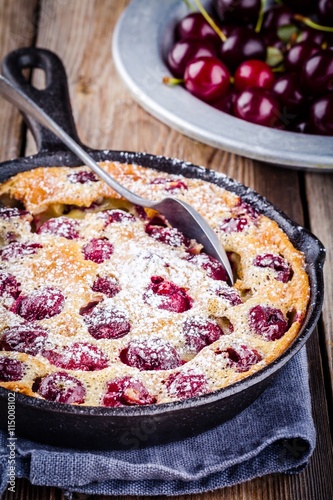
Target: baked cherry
[254,73]
[200,332]
[111,216]
[287,89]
[259,106]
[186,50]
[186,385]
[166,295]
[268,322]
[106,321]
[242,44]
[109,286]
[212,266]
[168,235]
[27,338]
[277,263]
[229,294]
[321,116]
[40,304]
[153,353]
[207,78]
[60,226]
[10,369]
[234,225]
[243,358]
[9,285]
[126,391]
[82,177]
[170,184]
[237,11]
[78,356]
[61,387]
[298,55]
[317,73]
[11,212]
[16,250]
[242,208]
[98,250]
[195,27]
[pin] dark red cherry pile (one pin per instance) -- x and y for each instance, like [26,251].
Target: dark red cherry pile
[271,65]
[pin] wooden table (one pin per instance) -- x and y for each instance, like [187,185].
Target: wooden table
[80,32]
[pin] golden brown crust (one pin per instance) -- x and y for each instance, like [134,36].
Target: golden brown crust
[61,264]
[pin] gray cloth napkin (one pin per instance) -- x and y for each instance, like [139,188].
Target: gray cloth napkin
[275,434]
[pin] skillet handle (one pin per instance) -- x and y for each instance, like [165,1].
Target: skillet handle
[54,99]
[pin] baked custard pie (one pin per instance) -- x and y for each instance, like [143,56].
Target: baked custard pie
[102,303]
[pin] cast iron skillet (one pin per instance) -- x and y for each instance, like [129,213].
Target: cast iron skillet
[133,427]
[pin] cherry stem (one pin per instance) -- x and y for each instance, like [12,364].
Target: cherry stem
[210,20]
[311,24]
[257,29]
[188,4]
[169,80]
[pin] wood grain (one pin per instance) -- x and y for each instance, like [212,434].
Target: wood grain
[80,32]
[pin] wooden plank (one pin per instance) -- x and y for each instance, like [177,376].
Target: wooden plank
[15,31]
[80,32]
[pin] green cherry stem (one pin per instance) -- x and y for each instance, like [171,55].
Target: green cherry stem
[210,20]
[189,5]
[169,80]
[311,24]
[261,16]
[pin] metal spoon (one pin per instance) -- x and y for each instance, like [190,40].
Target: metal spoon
[178,213]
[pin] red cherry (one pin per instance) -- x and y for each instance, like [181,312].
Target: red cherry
[299,54]
[234,225]
[229,294]
[243,358]
[78,356]
[186,50]
[277,263]
[153,353]
[186,385]
[61,226]
[207,78]
[109,286]
[98,250]
[111,216]
[82,177]
[40,304]
[257,105]
[200,332]
[321,116]
[10,369]
[27,338]
[213,267]
[105,321]
[166,295]
[254,73]
[61,387]
[12,212]
[16,250]
[195,27]
[170,184]
[127,391]
[9,285]
[268,322]
[168,235]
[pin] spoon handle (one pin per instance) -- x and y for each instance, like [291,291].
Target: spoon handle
[25,104]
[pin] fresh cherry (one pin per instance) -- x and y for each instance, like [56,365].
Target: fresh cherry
[207,78]
[186,50]
[259,106]
[237,11]
[276,16]
[321,116]
[317,73]
[254,73]
[226,103]
[299,54]
[243,44]
[287,89]
[195,27]
[325,12]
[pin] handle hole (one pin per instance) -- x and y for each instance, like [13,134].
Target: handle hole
[39,79]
